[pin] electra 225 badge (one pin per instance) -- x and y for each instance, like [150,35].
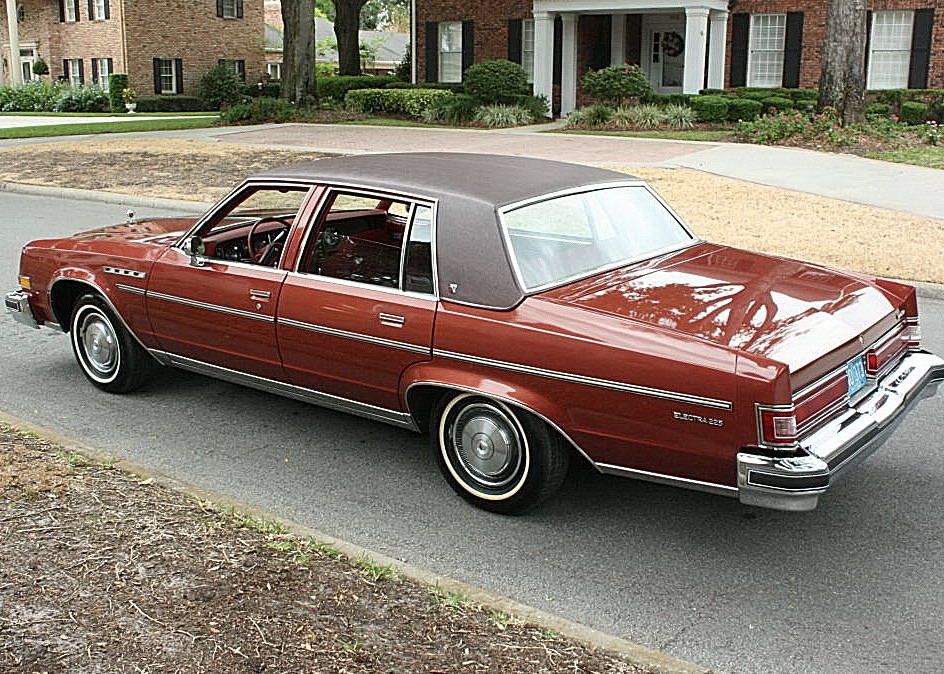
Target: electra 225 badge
[697,418]
[672,44]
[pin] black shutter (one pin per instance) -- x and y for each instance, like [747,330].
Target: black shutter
[66,71]
[219,8]
[558,50]
[241,69]
[81,71]
[432,51]
[111,69]
[239,9]
[157,76]
[740,34]
[221,63]
[468,46]
[91,6]
[600,58]
[868,44]
[514,40]
[920,48]
[179,72]
[107,9]
[94,71]
[62,11]
[793,50]
[76,5]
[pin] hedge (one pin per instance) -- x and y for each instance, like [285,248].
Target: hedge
[336,87]
[413,102]
[914,112]
[171,104]
[744,109]
[711,108]
[778,103]
[117,83]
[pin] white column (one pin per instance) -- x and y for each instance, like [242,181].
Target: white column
[16,71]
[568,64]
[544,55]
[716,48]
[617,39]
[696,42]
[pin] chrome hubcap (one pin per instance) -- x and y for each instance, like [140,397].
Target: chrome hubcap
[100,344]
[487,444]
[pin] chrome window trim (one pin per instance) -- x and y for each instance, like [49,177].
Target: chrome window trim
[380,193]
[356,336]
[328,400]
[635,389]
[363,286]
[583,189]
[210,307]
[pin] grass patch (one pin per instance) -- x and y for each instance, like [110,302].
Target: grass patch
[450,599]
[929,156]
[117,115]
[668,134]
[108,127]
[374,571]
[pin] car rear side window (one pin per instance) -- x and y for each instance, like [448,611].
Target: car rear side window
[418,268]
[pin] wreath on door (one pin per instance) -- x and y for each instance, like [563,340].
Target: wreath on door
[672,44]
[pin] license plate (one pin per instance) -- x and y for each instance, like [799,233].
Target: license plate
[855,374]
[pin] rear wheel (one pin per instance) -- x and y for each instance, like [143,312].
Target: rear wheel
[109,356]
[496,457]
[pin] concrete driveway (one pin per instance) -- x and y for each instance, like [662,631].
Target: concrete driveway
[856,586]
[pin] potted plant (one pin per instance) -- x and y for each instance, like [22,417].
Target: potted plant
[130,98]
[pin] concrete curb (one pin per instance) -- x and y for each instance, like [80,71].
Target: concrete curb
[102,197]
[640,656]
[928,291]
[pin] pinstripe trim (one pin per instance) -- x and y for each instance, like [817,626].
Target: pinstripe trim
[130,289]
[356,336]
[713,403]
[211,307]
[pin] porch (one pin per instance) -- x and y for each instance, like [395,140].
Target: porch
[679,44]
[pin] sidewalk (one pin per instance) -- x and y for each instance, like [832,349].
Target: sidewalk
[26,120]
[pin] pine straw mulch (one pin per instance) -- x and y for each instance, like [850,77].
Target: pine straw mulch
[103,571]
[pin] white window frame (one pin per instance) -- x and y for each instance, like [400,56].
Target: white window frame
[70,11]
[883,50]
[103,73]
[274,70]
[98,10]
[75,72]
[527,48]
[230,9]
[173,77]
[755,52]
[453,51]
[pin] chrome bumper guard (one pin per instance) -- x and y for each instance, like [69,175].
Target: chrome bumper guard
[795,483]
[18,306]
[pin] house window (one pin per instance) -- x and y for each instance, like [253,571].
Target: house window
[98,10]
[168,77]
[230,10]
[20,13]
[765,54]
[890,49]
[71,10]
[75,72]
[101,68]
[450,51]
[274,71]
[237,67]
[527,48]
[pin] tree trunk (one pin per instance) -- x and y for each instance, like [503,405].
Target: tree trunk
[298,61]
[842,83]
[347,20]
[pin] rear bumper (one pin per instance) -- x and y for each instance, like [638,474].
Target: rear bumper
[18,306]
[796,483]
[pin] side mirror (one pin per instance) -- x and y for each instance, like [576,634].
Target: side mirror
[196,248]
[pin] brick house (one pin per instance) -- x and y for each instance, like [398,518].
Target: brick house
[164,46]
[683,46]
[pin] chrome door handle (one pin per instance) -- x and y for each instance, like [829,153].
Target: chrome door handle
[392,320]
[260,294]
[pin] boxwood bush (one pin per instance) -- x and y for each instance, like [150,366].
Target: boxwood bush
[495,81]
[617,84]
[744,109]
[117,83]
[336,88]
[713,109]
[777,104]
[171,104]
[412,102]
[877,109]
[262,110]
[914,112]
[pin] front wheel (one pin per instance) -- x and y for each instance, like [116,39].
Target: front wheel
[107,353]
[496,457]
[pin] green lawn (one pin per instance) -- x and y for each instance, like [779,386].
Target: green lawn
[121,115]
[930,156]
[682,134]
[108,127]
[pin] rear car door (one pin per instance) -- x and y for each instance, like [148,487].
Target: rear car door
[359,307]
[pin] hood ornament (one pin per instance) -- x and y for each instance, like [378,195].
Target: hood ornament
[130,215]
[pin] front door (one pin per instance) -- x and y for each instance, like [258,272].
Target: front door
[666,57]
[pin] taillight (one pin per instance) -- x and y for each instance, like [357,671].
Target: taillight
[913,332]
[777,425]
[891,347]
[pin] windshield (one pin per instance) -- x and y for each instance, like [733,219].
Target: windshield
[567,237]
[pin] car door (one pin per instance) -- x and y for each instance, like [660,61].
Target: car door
[219,308]
[360,305]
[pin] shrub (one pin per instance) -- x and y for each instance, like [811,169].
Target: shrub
[35,96]
[83,99]
[590,117]
[753,95]
[643,116]
[404,69]
[804,94]
[495,81]
[220,86]
[777,104]
[499,115]
[413,102]
[454,87]
[536,105]
[878,109]
[456,110]
[617,84]
[679,116]
[712,92]
[170,104]
[744,109]
[713,109]
[336,87]
[117,83]
[914,112]
[40,67]
[268,89]
[259,111]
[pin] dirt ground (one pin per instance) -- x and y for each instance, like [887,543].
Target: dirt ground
[102,571]
[756,217]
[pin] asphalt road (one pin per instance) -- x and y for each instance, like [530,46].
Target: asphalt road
[855,586]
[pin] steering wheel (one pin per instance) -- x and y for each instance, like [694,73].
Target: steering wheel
[257,255]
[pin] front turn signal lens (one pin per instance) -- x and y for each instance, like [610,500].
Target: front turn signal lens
[25,282]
